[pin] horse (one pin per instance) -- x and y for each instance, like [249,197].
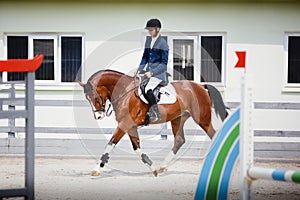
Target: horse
[193,100]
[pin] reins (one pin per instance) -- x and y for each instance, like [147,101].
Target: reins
[125,93]
[121,95]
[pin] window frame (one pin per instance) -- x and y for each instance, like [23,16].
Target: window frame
[82,57]
[5,53]
[55,84]
[288,87]
[33,37]
[196,54]
[186,35]
[223,50]
[5,44]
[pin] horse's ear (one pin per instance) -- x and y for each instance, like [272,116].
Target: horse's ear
[81,83]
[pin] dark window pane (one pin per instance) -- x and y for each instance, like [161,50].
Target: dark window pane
[17,47]
[211,58]
[71,58]
[45,47]
[294,59]
[183,59]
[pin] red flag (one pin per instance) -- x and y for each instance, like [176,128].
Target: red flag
[241,63]
[21,65]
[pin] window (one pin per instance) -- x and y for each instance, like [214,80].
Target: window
[45,47]
[17,47]
[293,75]
[62,56]
[183,59]
[211,58]
[71,58]
[197,57]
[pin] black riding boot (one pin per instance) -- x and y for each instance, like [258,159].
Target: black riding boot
[153,108]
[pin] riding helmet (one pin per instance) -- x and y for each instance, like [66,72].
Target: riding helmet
[153,23]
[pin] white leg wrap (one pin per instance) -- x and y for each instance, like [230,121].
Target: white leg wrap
[138,152]
[109,148]
[168,159]
[152,168]
[97,168]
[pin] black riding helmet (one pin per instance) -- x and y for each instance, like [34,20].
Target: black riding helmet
[153,23]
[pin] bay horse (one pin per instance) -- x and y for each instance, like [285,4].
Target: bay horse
[193,100]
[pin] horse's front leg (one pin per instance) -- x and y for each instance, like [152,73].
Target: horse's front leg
[118,134]
[135,141]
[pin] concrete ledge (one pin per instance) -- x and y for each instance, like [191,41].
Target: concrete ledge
[158,148]
[84,103]
[71,130]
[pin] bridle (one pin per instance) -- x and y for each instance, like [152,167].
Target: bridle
[102,107]
[122,94]
[89,89]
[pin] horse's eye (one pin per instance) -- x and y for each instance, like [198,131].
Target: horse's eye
[96,100]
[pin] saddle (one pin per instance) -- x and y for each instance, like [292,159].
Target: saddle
[164,93]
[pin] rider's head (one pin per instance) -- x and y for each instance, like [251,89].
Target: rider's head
[153,26]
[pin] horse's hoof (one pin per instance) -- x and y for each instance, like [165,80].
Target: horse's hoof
[163,170]
[155,173]
[95,173]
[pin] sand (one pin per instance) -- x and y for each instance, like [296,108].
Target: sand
[68,178]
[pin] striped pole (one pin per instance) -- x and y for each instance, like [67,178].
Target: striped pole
[218,165]
[274,174]
[246,137]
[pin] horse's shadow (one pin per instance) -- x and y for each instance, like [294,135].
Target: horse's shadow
[112,173]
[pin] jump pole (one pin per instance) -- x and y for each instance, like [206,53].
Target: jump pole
[246,138]
[249,173]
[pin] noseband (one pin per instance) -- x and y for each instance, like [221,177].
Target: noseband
[102,107]
[89,88]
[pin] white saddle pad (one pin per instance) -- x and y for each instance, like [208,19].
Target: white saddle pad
[167,95]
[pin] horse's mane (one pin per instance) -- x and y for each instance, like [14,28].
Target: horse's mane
[107,70]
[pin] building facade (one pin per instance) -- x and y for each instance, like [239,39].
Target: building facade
[81,38]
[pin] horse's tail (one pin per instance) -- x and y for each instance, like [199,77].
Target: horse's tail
[217,101]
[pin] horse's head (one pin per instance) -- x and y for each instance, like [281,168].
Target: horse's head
[97,97]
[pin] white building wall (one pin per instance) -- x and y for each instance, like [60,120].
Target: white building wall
[258,29]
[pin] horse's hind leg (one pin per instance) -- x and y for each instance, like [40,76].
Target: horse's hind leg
[210,131]
[135,141]
[179,140]
[207,127]
[201,115]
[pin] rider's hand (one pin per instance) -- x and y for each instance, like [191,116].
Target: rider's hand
[136,73]
[148,74]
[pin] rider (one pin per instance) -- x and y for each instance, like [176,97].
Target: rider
[156,56]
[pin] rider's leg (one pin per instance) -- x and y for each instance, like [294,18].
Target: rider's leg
[153,108]
[152,104]
[118,134]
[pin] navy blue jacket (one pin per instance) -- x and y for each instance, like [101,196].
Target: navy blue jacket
[157,58]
